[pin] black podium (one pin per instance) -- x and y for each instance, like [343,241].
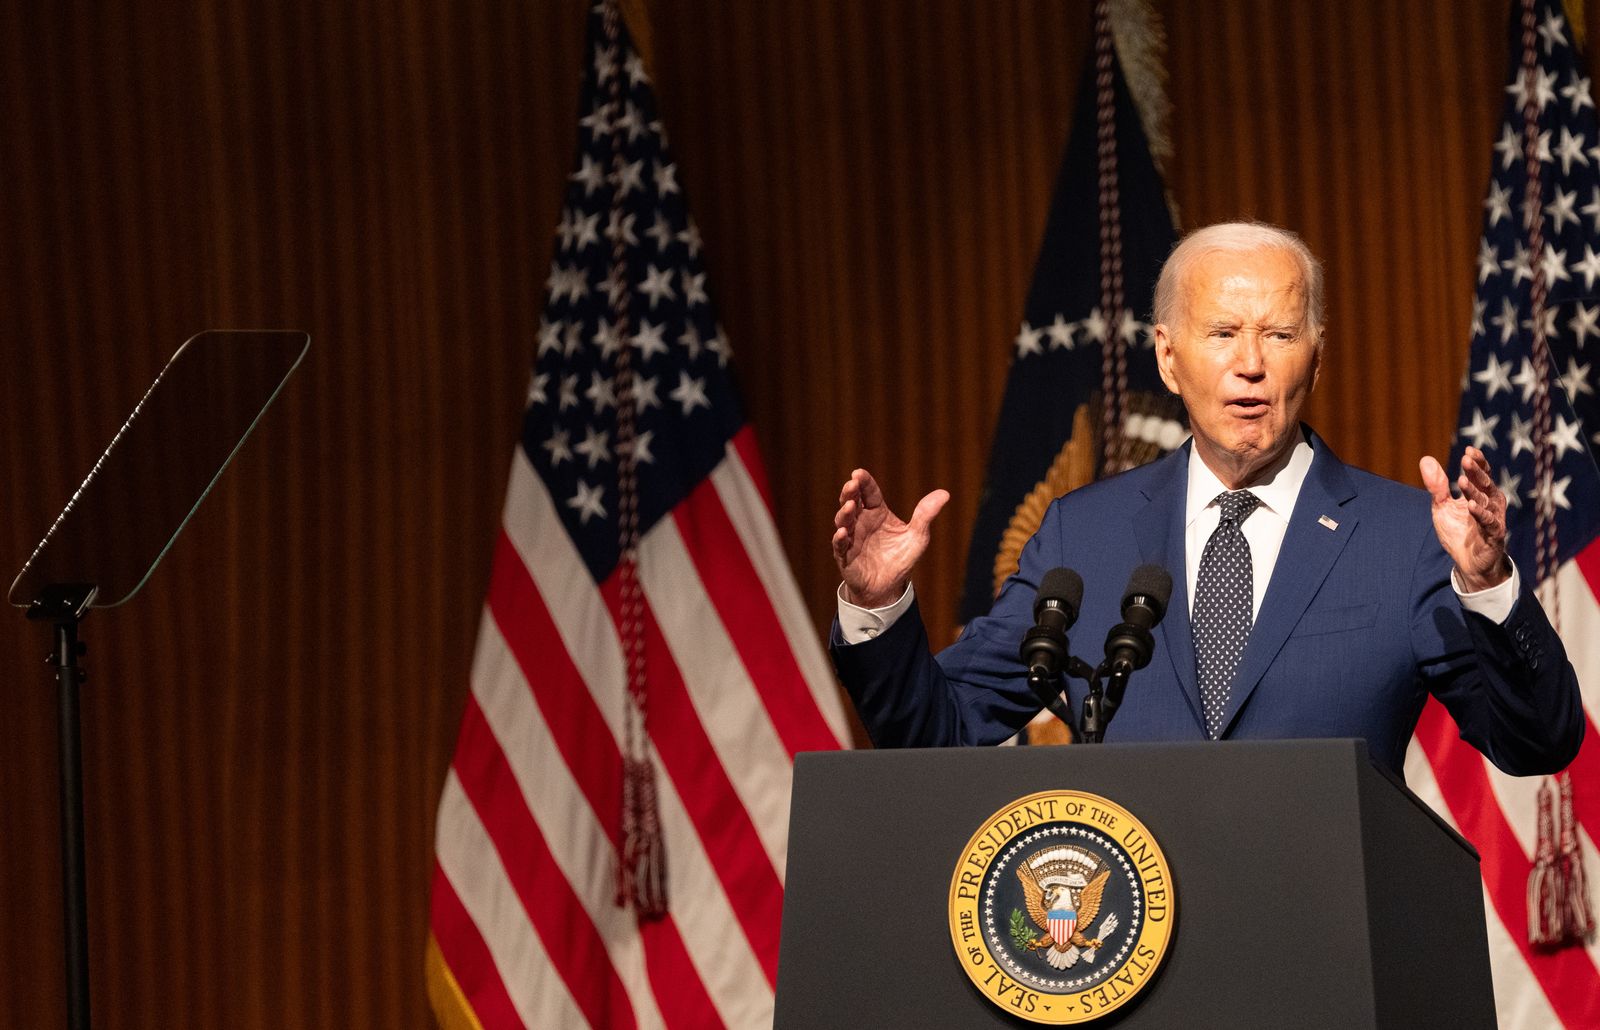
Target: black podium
[1311,889]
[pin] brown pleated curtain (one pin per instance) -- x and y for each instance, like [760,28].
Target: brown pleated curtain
[267,726]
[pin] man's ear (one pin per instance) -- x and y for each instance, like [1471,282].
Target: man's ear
[1164,357]
[1316,358]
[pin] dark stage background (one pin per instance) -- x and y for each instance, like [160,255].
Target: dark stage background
[267,726]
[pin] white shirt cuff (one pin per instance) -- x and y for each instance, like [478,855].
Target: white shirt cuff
[858,624]
[1496,602]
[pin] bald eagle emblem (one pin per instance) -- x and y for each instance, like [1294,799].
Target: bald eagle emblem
[1063,887]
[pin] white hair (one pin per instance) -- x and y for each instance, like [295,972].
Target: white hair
[1238,238]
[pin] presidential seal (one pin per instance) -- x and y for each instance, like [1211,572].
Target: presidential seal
[1061,907]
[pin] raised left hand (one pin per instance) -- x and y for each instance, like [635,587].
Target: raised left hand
[1472,527]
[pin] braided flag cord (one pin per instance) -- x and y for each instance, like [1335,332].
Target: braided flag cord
[613,830]
[1529,401]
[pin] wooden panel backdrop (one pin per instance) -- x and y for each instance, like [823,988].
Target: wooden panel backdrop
[268,725]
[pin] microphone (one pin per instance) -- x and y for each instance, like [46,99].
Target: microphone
[1128,645]
[1055,609]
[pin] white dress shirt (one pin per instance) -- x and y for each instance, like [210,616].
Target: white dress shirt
[1264,530]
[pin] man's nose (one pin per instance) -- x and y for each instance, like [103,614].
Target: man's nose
[1249,359]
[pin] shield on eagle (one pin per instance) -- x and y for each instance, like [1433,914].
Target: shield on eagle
[1061,922]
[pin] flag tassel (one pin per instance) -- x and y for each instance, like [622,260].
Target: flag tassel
[1559,912]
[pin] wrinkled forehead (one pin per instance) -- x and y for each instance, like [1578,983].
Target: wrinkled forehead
[1245,286]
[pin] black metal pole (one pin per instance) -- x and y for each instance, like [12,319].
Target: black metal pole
[75,906]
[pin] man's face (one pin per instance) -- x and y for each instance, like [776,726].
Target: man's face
[1242,356]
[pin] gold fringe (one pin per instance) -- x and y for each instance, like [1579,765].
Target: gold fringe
[450,1008]
[1141,42]
[637,17]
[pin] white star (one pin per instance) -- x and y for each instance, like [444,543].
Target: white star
[690,238]
[600,392]
[1521,436]
[640,449]
[590,174]
[718,345]
[1552,494]
[1592,209]
[694,289]
[1095,325]
[574,339]
[605,63]
[1028,341]
[1488,261]
[1129,328]
[635,69]
[661,231]
[1506,320]
[1477,317]
[595,120]
[1585,322]
[690,393]
[657,285]
[1576,380]
[565,229]
[1543,89]
[647,341]
[1551,31]
[644,393]
[595,446]
[536,388]
[620,226]
[1564,436]
[549,336]
[1519,264]
[1554,264]
[1549,321]
[690,341]
[666,178]
[634,121]
[587,230]
[1560,209]
[1497,203]
[556,282]
[587,502]
[1589,267]
[569,393]
[1496,375]
[1570,149]
[558,447]
[630,178]
[609,337]
[1527,380]
[1509,146]
[1481,430]
[1578,93]
[1509,485]
[1060,333]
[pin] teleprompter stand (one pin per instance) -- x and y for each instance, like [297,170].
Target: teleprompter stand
[114,531]
[1310,889]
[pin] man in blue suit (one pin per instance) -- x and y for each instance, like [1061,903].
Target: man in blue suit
[1311,598]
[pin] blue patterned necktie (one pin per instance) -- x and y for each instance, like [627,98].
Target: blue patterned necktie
[1223,598]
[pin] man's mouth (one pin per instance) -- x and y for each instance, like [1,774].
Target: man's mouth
[1247,407]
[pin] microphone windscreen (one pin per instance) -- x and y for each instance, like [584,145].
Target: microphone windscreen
[1152,581]
[1062,585]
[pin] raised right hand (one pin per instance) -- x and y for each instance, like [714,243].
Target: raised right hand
[874,548]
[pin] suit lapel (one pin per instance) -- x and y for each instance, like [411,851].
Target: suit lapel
[1159,528]
[1308,553]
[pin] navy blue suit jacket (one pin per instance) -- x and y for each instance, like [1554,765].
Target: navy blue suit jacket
[1358,625]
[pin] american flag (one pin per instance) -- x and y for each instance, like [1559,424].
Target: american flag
[1529,401]
[640,607]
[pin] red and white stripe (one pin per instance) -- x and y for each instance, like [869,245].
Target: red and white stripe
[1497,813]
[529,827]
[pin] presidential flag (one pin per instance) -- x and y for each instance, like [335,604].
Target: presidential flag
[1529,402]
[1083,398]
[612,830]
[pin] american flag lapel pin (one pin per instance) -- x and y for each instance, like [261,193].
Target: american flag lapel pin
[1324,520]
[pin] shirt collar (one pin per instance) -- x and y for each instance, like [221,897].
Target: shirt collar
[1276,492]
